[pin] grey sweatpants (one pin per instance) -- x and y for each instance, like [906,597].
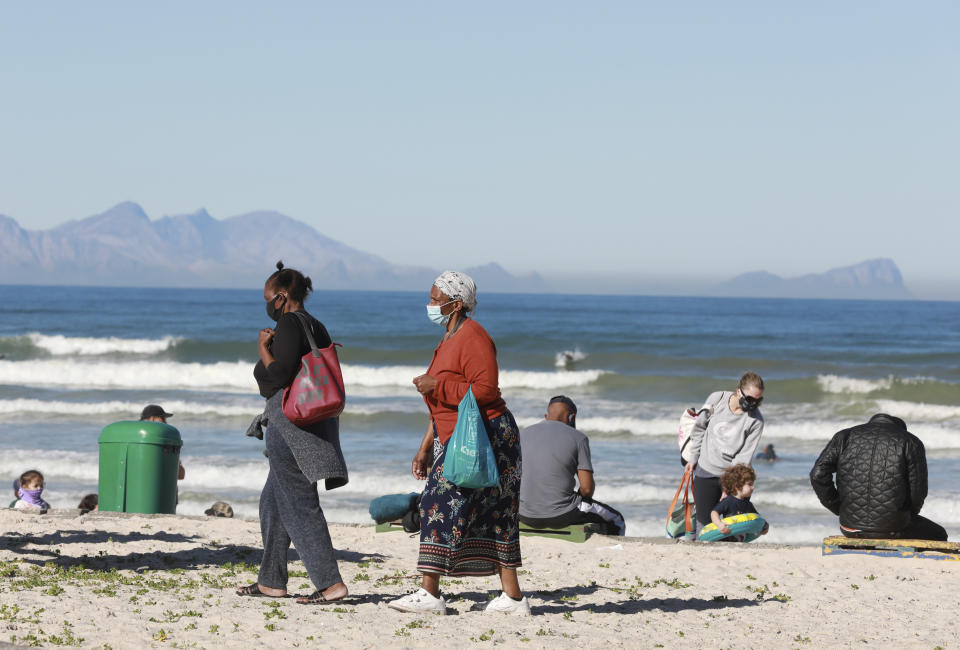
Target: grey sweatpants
[290,512]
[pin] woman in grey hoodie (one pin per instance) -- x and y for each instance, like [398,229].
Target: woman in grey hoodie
[727,433]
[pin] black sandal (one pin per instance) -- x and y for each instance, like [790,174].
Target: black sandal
[316,598]
[253,591]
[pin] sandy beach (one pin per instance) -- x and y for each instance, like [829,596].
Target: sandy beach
[124,581]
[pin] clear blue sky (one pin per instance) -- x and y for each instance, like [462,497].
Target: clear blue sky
[665,144]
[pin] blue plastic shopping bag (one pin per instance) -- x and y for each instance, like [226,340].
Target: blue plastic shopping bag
[470,462]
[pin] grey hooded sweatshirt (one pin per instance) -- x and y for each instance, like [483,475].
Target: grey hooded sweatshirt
[721,438]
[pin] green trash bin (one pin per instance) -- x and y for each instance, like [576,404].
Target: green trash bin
[138,467]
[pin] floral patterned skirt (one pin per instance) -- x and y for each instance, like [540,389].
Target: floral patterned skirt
[473,531]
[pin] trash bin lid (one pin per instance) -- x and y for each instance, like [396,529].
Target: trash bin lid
[141,431]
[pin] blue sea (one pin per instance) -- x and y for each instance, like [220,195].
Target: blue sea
[74,359]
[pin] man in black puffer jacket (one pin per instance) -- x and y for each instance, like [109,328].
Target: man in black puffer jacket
[881,484]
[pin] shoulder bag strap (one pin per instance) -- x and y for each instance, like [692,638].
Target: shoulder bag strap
[715,406]
[676,497]
[306,330]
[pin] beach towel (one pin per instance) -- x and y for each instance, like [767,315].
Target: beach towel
[391,507]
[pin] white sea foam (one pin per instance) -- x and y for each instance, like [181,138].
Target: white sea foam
[388,376]
[841,384]
[943,510]
[548,380]
[251,408]
[131,409]
[798,534]
[933,435]
[636,426]
[644,528]
[637,493]
[568,357]
[204,473]
[856,385]
[804,499]
[58,344]
[237,408]
[815,430]
[72,466]
[236,375]
[912,411]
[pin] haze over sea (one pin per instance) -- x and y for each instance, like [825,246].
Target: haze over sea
[75,359]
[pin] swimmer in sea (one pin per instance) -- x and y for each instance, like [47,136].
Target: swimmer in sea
[767,454]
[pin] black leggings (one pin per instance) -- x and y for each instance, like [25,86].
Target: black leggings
[706,494]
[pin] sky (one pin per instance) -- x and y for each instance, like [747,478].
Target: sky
[600,143]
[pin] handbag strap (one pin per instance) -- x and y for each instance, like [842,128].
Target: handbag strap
[306,330]
[684,484]
[688,524]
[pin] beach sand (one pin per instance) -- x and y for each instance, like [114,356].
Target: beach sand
[127,581]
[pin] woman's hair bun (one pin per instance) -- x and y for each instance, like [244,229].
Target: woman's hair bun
[292,280]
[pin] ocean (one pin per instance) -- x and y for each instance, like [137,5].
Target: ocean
[74,359]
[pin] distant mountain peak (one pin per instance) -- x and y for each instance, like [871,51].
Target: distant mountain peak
[201,213]
[124,209]
[876,279]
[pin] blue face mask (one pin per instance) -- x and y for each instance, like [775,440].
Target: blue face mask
[435,315]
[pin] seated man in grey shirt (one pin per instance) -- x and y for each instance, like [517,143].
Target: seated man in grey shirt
[555,457]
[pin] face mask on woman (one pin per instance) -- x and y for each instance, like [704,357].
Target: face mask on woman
[436,316]
[748,403]
[272,310]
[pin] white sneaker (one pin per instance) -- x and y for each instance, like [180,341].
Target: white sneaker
[420,601]
[507,605]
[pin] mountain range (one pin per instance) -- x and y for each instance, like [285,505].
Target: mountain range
[123,247]
[877,279]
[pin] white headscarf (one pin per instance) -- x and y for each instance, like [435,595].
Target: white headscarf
[458,286]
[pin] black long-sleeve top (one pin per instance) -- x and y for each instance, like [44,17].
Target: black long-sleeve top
[288,347]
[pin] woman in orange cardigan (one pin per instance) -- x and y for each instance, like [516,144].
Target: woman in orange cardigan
[465,531]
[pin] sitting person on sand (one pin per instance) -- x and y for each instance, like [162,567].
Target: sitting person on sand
[89,503]
[557,456]
[219,509]
[16,492]
[155,413]
[737,482]
[881,481]
[31,487]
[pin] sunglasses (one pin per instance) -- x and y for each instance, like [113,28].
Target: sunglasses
[753,401]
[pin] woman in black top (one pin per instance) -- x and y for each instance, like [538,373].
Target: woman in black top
[299,457]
